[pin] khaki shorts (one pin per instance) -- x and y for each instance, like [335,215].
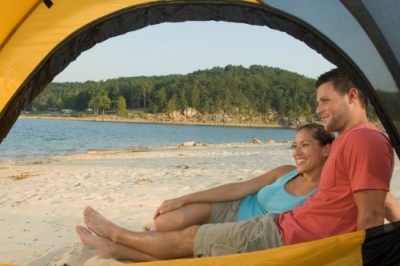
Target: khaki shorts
[258,233]
[224,212]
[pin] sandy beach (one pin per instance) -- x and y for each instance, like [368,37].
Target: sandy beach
[43,200]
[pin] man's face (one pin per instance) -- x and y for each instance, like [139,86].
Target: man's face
[333,108]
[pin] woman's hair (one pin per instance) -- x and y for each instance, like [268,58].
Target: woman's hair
[318,132]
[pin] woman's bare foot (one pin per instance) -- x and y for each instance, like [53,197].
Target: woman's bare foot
[101,244]
[97,223]
[149,227]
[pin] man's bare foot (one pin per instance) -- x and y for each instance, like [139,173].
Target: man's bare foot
[149,227]
[101,244]
[108,249]
[97,223]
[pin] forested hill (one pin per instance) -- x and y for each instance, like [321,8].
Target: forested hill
[258,92]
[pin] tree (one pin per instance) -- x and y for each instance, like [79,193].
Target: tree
[195,96]
[171,106]
[153,107]
[235,90]
[121,105]
[183,103]
[160,98]
[99,99]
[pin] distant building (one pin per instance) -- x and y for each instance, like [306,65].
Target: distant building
[53,110]
[67,111]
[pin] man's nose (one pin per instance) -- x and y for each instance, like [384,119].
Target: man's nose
[319,109]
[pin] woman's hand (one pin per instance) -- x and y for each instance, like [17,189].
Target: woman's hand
[169,205]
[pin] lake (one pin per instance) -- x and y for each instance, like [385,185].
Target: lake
[41,138]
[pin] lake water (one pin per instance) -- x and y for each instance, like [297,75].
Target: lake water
[41,138]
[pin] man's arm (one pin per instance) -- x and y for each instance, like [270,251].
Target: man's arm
[371,208]
[392,208]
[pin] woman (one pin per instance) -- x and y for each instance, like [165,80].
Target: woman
[276,191]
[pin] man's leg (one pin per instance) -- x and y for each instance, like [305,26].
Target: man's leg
[107,249]
[257,233]
[161,245]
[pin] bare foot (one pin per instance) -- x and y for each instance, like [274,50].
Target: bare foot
[108,249]
[97,223]
[101,244]
[149,227]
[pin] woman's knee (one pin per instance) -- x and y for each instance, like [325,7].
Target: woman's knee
[159,224]
[162,224]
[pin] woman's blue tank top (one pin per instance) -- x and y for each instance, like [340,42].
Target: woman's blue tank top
[272,198]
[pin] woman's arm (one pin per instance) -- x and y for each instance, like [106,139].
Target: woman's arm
[392,208]
[227,192]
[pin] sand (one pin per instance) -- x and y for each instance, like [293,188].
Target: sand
[42,200]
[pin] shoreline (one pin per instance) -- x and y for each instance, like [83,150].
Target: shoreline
[113,118]
[139,149]
[118,119]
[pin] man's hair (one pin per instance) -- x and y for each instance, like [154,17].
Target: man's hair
[342,84]
[318,132]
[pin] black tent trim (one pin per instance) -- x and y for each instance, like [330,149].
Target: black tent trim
[381,245]
[138,17]
[48,3]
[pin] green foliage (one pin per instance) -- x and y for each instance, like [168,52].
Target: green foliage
[253,91]
[136,114]
[99,98]
[153,107]
[171,106]
[78,114]
[121,105]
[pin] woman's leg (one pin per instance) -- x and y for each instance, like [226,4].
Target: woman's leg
[187,215]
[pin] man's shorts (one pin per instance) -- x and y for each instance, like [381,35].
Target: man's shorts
[257,233]
[224,212]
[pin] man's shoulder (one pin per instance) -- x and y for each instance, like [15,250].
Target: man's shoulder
[365,130]
[365,138]
[364,126]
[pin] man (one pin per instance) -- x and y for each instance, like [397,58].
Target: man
[351,195]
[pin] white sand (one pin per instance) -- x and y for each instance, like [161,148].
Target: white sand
[42,201]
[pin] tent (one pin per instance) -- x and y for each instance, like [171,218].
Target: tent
[38,39]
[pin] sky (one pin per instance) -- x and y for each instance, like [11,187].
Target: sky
[182,48]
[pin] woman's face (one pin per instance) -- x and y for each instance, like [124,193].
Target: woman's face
[308,154]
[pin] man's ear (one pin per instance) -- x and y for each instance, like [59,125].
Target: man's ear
[352,95]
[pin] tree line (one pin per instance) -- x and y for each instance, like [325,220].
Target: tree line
[234,90]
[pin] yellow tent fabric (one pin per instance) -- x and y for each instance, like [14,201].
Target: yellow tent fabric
[343,250]
[30,31]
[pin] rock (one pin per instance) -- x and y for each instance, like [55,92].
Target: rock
[188,144]
[184,166]
[190,112]
[269,141]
